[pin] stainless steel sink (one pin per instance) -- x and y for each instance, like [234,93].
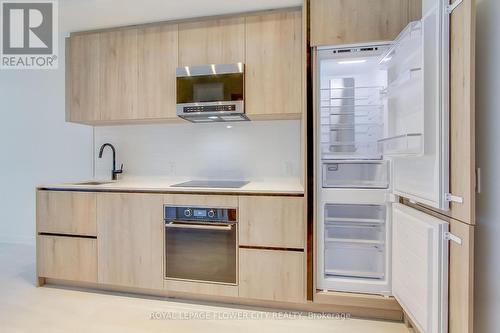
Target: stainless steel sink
[92,182]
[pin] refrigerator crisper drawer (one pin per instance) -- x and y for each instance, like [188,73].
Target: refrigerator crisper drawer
[356,174]
[354,260]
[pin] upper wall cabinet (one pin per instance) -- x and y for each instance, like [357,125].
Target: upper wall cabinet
[118,75]
[127,74]
[82,78]
[337,22]
[158,58]
[122,75]
[274,65]
[220,41]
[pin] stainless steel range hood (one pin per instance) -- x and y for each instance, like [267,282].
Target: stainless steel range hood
[211,93]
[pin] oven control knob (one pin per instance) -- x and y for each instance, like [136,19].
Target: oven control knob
[188,212]
[211,213]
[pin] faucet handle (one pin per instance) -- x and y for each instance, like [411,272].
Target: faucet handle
[121,169]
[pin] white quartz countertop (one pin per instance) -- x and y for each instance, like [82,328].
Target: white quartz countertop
[161,184]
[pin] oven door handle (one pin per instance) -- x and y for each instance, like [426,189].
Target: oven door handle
[173,224]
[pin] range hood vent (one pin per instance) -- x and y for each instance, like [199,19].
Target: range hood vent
[214,117]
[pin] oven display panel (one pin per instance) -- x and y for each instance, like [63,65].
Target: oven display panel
[199,213]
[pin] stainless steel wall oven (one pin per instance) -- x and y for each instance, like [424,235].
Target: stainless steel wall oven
[201,244]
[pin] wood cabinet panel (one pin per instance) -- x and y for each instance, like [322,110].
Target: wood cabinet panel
[226,201]
[272,221]
[215,41]
[462,112]
[130,233]
[82,78]
[118,75]
[72,213]
[461,283]
[274,65]
[272,275]
[200,288]
[337,22]
[157,57]
[67,258]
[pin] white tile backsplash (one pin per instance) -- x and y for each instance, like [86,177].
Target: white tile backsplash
[253,150]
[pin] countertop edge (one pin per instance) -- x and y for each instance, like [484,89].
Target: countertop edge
[225,191]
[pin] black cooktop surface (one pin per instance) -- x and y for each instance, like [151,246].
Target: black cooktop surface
[213,183]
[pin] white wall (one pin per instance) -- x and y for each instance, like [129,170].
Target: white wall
[36,145]
[487,255]
[255,150]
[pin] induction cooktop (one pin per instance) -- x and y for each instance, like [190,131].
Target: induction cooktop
[213,183]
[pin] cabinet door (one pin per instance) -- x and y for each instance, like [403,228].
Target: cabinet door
[420,268]
[272,275]
[462,112]
[274,65]
[338,22]
[67,258]
[61,212]
[157,56]
[272,222]
[130,234]
[220,41]
[118,75]
[82,78]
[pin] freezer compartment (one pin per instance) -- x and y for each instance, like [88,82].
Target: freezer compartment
[355,233]
[354,260]
[355,213]
[356,174]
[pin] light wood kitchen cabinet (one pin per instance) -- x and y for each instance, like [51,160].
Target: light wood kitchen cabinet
[272,275]
[274,65]
[272,221]
[67,258]
[227,201]
[82,78]
[71,213]
[130,234]
[157,56]
[118,75]
[462,112]
[127,74]
[338,22]
[212,41]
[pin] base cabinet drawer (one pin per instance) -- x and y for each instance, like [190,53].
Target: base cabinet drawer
[272,221]
[62,212]
[67,258]
[272,275]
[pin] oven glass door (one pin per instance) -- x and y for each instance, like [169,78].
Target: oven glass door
[210,88]
[201,252]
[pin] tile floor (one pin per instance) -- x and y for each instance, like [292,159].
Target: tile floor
[25,308]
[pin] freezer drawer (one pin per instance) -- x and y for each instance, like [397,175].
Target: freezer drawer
[356,174]
[353,232]
[354,260]
[355,213]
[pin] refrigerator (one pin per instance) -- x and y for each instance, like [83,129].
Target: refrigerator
[381,139]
